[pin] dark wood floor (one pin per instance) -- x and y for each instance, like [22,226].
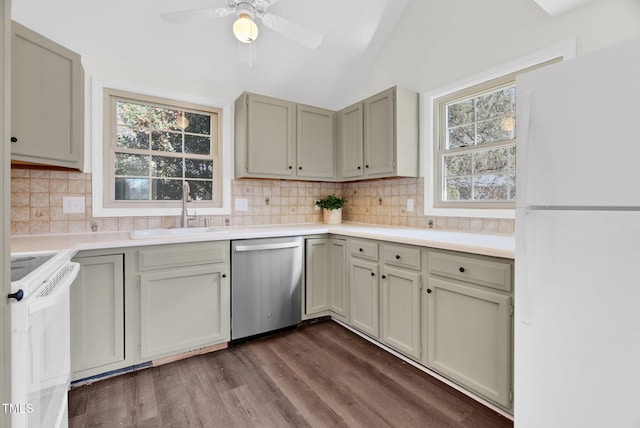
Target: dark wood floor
[315,376]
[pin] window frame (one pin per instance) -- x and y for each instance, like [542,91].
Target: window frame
[101,131]
[440,139]
[111,98]
[429,144]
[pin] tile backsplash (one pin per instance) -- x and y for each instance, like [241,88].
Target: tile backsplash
[37,199]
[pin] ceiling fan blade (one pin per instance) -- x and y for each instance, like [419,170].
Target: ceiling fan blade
[265,3]
[196,14]
[304,36]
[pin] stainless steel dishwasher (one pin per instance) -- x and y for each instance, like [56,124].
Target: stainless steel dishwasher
[266,279]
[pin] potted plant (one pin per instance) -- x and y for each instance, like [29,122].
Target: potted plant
[331,208]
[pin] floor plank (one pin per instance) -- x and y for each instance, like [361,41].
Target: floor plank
[317,375]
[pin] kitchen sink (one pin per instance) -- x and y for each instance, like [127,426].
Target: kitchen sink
[178,231]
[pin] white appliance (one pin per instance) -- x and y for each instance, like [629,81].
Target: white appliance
[40,339]
[577,326]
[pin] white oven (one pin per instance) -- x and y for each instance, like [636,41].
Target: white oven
[40,339]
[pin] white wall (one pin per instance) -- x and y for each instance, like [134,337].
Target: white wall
[438,42]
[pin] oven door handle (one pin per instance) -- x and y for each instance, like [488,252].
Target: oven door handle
[59,284]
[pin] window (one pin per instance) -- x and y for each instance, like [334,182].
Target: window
[476,146]
[154,145]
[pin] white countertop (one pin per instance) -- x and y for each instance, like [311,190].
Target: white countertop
[490,245]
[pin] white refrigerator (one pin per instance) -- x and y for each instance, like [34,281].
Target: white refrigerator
[577,293]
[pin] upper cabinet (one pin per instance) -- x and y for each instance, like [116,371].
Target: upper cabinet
[280,139]
[47,102]
[315,136]
[378,137]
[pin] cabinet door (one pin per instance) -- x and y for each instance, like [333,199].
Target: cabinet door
[97,314]
[47,101]
[318,272]
[400,317]
[326,284]
[469,337]
[351,139]
[270,136]
[339,290]
[315,142]
[379,134]
[183,309]
[363,297]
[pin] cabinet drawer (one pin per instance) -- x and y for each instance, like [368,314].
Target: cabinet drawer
[364,249]
[401,256]
[192,254]
[490,273]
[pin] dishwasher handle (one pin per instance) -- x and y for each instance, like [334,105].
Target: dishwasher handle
[261,247]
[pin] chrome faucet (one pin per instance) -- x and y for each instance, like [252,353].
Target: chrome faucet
[186,197]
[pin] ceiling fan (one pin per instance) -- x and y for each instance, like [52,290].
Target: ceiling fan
[245,28]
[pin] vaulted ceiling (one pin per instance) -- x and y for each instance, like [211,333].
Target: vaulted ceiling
[132,32]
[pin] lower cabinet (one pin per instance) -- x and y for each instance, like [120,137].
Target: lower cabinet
[326,277]
[469,337]
[364,296]
[400,310]
[97,315]
[469,322]
[148,303]
[183,309]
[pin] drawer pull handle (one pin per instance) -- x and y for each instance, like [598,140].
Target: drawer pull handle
[429,290]
[397,257]
[373,274]
[461,269]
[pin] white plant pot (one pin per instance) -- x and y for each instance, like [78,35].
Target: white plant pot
[332,216]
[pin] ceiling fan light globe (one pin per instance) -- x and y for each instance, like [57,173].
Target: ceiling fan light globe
[245,29]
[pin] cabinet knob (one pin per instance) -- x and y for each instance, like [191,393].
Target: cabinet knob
[18,295]
[300,168]
[397,256]
[373,274]
[429,290]
[366,166]
[359,167]
[384,276]
[224,275]
[290,167]
[461,269]
[14,139]
[360,249]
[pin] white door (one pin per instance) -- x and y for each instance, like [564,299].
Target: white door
[577,138]
[577,334]
[5,327]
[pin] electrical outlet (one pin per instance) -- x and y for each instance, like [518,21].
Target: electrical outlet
[409,205]
[242,204]
[73,204]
